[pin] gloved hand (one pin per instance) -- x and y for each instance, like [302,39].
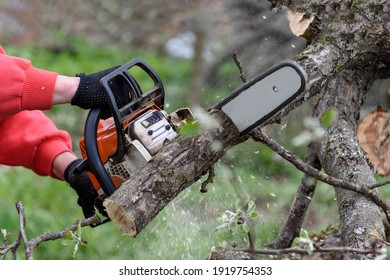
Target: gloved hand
[84,188]
[90,93]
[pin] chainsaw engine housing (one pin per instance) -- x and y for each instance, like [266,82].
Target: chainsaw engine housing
[146,130]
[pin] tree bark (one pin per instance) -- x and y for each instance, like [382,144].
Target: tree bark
[341,157]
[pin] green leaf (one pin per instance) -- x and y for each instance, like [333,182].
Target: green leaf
[240,214]
[254,214]
[69,235]
[250,207]
[75,249]
[305,240]
[66,242]
[225,225]
[190,128]
[244,228]
[304,234]
[79,229]
[329,117]
[233,226]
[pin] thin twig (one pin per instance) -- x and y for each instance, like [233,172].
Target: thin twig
[54,235]
[380,184]
[6,247]
[31,244]
[237,61]
[209,180]
[251,242]
[22,232]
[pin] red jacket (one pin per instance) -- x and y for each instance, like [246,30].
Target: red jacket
[27,137]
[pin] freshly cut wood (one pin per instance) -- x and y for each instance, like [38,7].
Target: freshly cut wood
[299,23]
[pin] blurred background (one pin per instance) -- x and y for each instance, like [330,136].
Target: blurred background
[190,44]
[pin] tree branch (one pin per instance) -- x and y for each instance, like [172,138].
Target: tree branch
[239,66]
[31,244]
[380,184]
[301,203]
[300,251]
[178,165]
[22,232]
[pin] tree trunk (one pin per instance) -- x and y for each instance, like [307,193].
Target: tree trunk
[341,157]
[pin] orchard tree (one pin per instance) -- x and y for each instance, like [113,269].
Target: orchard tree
[347,49]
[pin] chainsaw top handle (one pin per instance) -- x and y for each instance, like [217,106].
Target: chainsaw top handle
[138,99]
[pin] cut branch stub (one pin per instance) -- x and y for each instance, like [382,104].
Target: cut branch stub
[300,24]
[374,138]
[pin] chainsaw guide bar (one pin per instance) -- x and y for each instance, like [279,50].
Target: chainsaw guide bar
[258,100]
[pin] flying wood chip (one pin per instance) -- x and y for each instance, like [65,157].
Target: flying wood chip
[374,137]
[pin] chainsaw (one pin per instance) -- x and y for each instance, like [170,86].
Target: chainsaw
[116,148]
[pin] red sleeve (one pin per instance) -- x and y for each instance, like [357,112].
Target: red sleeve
[23,87]
[31,140]
[27,137]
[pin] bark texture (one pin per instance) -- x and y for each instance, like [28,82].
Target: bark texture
[342,157]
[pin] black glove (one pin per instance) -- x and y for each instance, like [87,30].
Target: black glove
[90,93]
[83,187]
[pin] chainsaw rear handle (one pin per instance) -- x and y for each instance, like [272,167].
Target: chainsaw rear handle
[138,99]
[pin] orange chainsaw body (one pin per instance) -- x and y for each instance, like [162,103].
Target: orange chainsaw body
[106,139]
